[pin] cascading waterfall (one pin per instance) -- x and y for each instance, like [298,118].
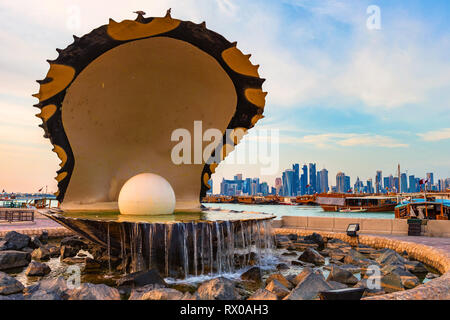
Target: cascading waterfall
[187,249]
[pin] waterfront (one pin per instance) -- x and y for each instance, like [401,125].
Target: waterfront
[301,211]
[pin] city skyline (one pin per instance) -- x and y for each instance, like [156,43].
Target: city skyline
[343,96]
[292,183]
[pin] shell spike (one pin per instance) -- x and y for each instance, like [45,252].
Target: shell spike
[203,24]
[168,12]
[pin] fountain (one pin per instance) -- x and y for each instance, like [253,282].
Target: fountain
[110,105]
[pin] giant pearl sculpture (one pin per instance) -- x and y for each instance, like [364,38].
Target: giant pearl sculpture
[146,194]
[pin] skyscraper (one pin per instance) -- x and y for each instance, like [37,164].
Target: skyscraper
[403,183]
[304,179]
[347,186]
[340,182]
[378,181]
[412,184]
[278,186]
[312,178]
[370,188]
[296,182]
[288,177]
[430,177]
[324,181]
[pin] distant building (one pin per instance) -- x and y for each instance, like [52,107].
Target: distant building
[412,184]
[312,178]
[358,187]
[303,180]
[340,183]
[403,183]
[430,178]
[370,188]
[288,183]
[210,191]
[378,181]
[322,181]
[296,178]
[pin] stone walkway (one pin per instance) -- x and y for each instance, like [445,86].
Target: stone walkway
[438,243]
[35,228]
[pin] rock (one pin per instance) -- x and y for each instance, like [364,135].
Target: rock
[278,289]
[356,258]
[317,239]
[341,275]
[336,285]
[365,249]
[352,268]
[218,289]
[12,297]
[337,255]
[292,236]
[47,289]
[13,259]
[390,257]
[279,277]
[282,266]
[312,256]
[431,275]
[9,285]
[189,296]
[16,241]
[298,278]
[73,260]
[337,243]
[289,254]
[309,288]
[2,245]
[141,279]
[40,254]
[370,288]
[408,280]
[416,267]
[43,237]
[74,242]
[252,274]
[150,293]
[89,291]
[35,242]
[27,250]
[263,294]
[54,251]
[67,251]
[392,282]
[37,269]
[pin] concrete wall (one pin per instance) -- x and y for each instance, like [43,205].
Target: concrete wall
[434,228]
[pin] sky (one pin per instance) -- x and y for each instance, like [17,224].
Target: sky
[346,96]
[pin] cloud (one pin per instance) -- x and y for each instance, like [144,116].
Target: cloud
[328,140]
[436,135]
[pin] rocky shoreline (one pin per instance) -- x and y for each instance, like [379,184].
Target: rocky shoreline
[307,266]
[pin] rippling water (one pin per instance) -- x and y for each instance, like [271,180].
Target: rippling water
[303,211]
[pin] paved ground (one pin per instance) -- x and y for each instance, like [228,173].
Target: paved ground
[438,243]
[34,228]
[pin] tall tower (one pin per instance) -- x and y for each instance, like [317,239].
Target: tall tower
[399,179]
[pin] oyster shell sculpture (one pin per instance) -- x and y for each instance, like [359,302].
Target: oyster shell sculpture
[112,99]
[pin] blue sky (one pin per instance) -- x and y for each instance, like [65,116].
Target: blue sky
[343,96]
